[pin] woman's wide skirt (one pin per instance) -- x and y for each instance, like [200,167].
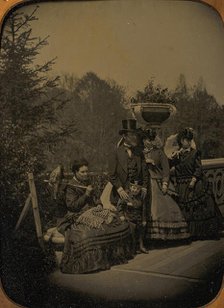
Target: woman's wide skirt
[87,250]
[166,220]
[199,208]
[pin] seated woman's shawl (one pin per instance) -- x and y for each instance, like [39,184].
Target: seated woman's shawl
[96,217]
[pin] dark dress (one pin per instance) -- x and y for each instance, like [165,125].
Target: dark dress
[77,202]
[197,204]
[95,239]
[165,221]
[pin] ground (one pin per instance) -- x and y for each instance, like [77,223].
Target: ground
[165,274]
[180,275]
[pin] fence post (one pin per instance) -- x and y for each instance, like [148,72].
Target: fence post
[35,209]
[24,212]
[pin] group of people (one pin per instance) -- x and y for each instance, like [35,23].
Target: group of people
[151,197]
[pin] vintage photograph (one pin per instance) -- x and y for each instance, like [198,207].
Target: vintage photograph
[112,151]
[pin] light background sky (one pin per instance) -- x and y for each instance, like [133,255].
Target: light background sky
[131,41]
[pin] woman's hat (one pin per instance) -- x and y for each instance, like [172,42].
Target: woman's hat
[129,125]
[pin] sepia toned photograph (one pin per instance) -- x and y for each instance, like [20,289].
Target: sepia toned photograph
[112,151]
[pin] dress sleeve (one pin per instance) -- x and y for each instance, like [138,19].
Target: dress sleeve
[165,166]
[114,179]
[74,201]
[145,174]
[197,165]
[173,161]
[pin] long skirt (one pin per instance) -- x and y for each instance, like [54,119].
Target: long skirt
[166,220]
[199,208]
[88,250]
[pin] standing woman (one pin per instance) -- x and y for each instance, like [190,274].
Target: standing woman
[195,197]
[166,221]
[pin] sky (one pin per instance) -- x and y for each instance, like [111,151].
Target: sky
[131,41]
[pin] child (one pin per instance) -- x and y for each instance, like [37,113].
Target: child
[134,211]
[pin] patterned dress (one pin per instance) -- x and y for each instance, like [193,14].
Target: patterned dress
[197,204]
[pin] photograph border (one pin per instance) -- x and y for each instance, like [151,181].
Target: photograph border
[5,7]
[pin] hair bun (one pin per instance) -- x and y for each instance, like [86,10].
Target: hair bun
[185,133]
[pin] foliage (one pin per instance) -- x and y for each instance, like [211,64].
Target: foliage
[97,108]
[31,106]
[153,93]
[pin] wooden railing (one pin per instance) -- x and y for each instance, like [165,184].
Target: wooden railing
[214,171]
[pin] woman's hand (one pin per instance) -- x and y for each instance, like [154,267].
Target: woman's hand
[164,188]
[175,154]
[192,183]
[143,192]
[172,171]
[89,190]
[112,208]
[150,161]
[129,203]
[144,223]
[122,218]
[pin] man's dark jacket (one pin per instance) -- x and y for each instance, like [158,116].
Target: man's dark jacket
[118,171]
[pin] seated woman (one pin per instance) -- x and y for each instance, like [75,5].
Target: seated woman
[95,238]
[166,222]
[195,197]
[79,195]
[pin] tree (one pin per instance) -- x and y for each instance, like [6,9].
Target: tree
[181,97]
[31,105]
[198,109]
[207,116]
[97,108]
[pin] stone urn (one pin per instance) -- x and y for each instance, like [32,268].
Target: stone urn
[152,114]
